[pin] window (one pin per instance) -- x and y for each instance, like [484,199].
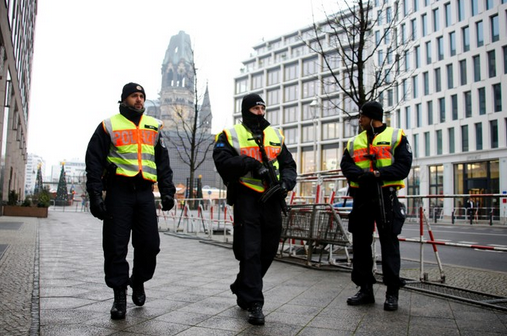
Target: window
[495,28]
[448,13]
[406,57]
[429,108]
[468,104]
[466,38]
[273,97]
[493,131]
[452,43]
[407,118]
[310,89]
[290,114]
[273,76]
[480,33]
[478,136]
[481,92]
[330,130]
[427,144]
[492,63]
[441,107]
[308,133]
[454,107]
[415,145]
[440,48]
[291,93]
[477,68]
[389,14]
[415,5]
[474,6]
[424,24]
[413,25]
[505,60]
[291,135]
[417,56]
[403,37]
[463,71]
[450,76]
[428,52]
[330,157]
[436,19]
[291,71]
[415,89]
[497,97]
[464,138]
[426,82]
[310,66]
[241,85]
[438,80]
[439,142]
[418,115]
[257,81]
[450,133]
[489,4]
[273,116]
[380,57]
[461,10]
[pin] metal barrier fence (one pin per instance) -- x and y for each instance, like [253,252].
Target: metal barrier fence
[313,226]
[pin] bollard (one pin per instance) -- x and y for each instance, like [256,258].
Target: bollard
[452,216]
[491,217]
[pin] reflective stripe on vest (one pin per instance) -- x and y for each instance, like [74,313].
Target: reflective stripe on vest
[241,139]
[133,147]
[383,147]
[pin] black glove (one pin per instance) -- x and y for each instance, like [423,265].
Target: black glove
[167,202]
[97,206]
[283,189]
[262,172]
[367,179]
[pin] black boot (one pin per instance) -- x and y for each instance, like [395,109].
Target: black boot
[138,294]
[364,296]
[391,303]
[120,304]
[255,314]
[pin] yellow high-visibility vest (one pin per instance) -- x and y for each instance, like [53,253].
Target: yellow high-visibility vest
[133,147]
[242,140]
[382,147]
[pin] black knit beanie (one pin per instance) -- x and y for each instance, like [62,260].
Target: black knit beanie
[250,101]
[372,110]
[254,122]
[129,89]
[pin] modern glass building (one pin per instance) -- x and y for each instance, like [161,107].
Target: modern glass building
[17,30]
[449,95]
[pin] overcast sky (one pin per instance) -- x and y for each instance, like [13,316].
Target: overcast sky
[85,51]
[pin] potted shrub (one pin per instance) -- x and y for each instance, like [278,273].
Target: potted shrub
[27,209]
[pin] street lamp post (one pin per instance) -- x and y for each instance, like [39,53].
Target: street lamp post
[314,105]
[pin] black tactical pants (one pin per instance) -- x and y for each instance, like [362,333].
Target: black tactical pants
[362,221]
[257,230]
[131,205]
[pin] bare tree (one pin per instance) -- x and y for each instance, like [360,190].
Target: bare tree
[363,48]
[191,135]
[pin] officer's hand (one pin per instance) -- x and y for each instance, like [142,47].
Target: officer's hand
[167,202]
[262,172]
[367,178]
[283,189]
[97,206]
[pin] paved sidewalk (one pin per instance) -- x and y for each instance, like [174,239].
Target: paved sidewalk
[190,294]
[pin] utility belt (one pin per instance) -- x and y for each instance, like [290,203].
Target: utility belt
[129,183]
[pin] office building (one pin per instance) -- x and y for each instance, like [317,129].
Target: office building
[17,30]
[449,96]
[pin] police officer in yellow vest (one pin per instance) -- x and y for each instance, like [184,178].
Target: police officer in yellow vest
[257,224]
[378,156]
[126,156]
